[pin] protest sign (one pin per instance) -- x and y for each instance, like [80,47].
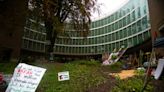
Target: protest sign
[62,76]
[26,78]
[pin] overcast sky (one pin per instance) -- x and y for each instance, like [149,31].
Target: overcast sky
[109,6]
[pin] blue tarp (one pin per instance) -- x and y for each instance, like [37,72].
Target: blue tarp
[159,42]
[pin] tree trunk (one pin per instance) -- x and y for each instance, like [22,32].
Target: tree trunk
[50,49]
[51,37]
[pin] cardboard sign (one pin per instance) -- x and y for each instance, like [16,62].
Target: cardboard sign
[62,76]
[26,78]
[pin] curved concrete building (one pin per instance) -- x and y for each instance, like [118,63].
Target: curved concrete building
[127,27]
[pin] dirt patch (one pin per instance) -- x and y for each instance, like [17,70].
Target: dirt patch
[123,74]
[105,87]
[158,85]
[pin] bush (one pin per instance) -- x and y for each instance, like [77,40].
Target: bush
[134,84]
[92,62]
[114,57]
[140,72]
[116,66]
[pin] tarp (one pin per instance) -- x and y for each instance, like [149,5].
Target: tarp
[159,69]
[119,54]
[159,42]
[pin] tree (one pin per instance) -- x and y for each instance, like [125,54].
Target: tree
[57,13]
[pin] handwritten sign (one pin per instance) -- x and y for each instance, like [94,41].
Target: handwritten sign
[26,78]
[62,76]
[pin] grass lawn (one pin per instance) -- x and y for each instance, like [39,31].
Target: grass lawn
[85,76]
[7,68]
[82,77]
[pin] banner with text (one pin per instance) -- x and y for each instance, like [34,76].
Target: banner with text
[26,78]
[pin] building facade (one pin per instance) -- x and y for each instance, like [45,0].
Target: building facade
[34,38]
[156,8]
[127,27]
[12,22]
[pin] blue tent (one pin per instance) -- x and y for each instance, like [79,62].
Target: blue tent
[159,42]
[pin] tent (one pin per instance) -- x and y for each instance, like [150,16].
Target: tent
[159,69]
[159,42]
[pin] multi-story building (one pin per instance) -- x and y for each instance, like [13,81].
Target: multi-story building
[156,17]
[129,27]
[12,22]
[156,8]
[33,38]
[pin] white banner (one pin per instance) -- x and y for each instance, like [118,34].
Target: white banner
[26,78]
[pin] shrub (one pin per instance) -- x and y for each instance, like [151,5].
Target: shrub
[114,57]
[134,84]
[140,72]
[92,62]
[116,66]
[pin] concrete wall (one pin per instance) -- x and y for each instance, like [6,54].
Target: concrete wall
[12,21]
[156,9]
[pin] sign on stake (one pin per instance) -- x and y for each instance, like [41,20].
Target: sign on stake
[62,76]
